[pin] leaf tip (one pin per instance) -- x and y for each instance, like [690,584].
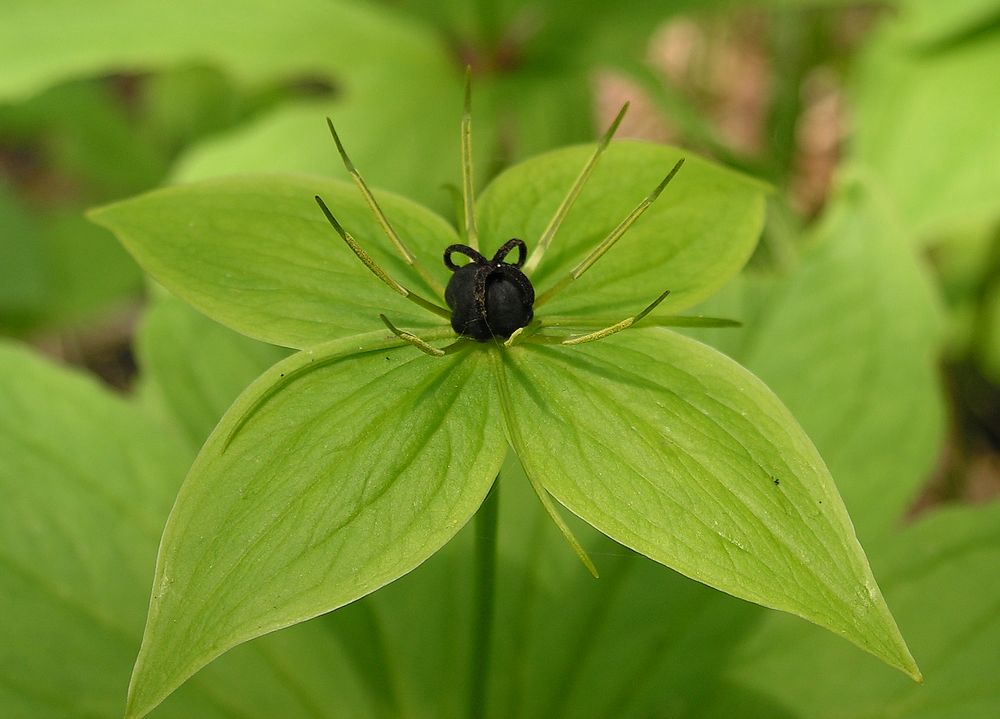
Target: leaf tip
[96,215]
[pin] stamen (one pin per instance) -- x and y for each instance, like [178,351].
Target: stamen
[383,221]
[608,242]
[468,191]
[702,321]
[412,339]
[617,327]
[546,239]
[370,263]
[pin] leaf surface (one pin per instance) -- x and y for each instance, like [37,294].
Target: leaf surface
[193,367]
[676,451]
[907,101]
[940,577]
[299,38]
[318,487]
[256,254]
[87,481]
[694,238]
[849,341]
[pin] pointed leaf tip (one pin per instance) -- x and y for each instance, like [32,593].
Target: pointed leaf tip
[332,488]
[673,451]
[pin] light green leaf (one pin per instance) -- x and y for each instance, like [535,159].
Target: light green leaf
[927,22]
[194,367]
[87,481]
[256,254]
[696,236]
[57,268]
[988,349]
[268,43]
[849,341]
[925,125]
[641,641]
[339,470]
[22,275]
[679,453]
[415,157]
[940,576]
[79,466]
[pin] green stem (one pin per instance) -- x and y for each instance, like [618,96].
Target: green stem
[482,601]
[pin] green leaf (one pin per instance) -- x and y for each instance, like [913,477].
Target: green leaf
[641,641]
[679,453]
[415,158]
[940,576]
[339,470]
[270,42]
[694,238]
[87,481]
[987,350]
[256,254]
[849,341]
[906,103]
[79,466]
[22,275]
[925,22]
[57,268]
[194,367]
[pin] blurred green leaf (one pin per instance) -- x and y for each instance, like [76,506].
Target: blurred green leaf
[850,341]
[926,22]
[681,454]
[22,275]
[987,347]
[256,253]
[77,137]
[88,268]
[925,123]
[403,137]
[357,49]
[194,366]
[254,40]
[189,101]
[58,269]
[693,239]
[940,577]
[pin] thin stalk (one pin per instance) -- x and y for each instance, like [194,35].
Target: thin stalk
[369,262]
[660,321]
[608,242]
[380,217]
[546,239]
[483,600]
[618,326]
[507,406]
[412,339]
[468,191]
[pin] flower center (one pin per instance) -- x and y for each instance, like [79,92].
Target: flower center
[489,298]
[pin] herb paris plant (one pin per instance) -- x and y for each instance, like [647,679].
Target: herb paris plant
[349,463]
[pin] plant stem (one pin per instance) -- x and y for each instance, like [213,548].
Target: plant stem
[483,595]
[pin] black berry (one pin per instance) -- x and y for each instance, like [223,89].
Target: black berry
[489,298]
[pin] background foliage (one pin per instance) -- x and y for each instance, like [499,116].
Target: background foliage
[872,308]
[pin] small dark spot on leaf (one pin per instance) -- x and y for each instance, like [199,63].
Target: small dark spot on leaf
[775,480]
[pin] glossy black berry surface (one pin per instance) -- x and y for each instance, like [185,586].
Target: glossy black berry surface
[489,298]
